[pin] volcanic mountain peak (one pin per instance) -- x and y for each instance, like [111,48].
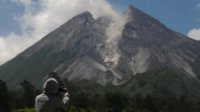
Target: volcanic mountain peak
[59,39]
[140,17]
[79,50]
[83,18]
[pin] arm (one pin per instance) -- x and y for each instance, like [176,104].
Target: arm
[61,103]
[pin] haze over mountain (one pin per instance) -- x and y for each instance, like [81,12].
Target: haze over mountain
[110,51]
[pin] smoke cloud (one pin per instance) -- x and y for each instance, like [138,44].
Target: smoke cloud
[114,33]
[43,16]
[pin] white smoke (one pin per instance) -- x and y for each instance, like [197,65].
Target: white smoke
[114,30]
[42,16]
[114,33]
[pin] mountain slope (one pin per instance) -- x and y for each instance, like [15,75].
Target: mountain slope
[79,50]
[163,83]
[162,46]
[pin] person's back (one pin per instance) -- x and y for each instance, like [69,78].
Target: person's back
[49,101]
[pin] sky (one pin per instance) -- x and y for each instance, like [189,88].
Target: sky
[24,22]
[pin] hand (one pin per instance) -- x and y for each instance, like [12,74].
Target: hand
[62,89]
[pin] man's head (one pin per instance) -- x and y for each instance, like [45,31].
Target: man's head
[50,86]
[61,87]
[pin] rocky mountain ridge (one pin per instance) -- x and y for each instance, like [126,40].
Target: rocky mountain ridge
[79,50]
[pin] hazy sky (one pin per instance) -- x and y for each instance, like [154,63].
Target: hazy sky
[23,22]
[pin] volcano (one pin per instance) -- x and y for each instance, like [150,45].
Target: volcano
[142,52]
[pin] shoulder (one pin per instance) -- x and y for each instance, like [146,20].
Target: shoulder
[42,97]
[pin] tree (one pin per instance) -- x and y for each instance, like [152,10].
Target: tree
[29,94]
[4,98]
[115,101]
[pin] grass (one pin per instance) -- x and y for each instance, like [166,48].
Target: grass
[25,110]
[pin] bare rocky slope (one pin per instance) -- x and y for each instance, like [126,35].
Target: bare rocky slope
[79,49]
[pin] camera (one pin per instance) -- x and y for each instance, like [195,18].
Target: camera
[62,89]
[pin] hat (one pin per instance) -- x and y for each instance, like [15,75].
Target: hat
[50,86]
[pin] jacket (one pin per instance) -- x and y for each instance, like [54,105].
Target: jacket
[49,101]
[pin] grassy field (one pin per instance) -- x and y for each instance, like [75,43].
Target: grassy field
[25,110]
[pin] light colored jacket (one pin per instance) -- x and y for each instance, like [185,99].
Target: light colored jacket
[48,101]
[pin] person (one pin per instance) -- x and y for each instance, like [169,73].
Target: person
[51,100]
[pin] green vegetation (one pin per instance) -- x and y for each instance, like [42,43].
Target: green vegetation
[161,91]
[25,110]
[4,97]
[17,101]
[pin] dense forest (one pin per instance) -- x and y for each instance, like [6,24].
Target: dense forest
[104,99]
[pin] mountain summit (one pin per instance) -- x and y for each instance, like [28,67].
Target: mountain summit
[162,46]
[79,50]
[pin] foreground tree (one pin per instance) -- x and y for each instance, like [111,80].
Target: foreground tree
[4,98]
[29,94]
